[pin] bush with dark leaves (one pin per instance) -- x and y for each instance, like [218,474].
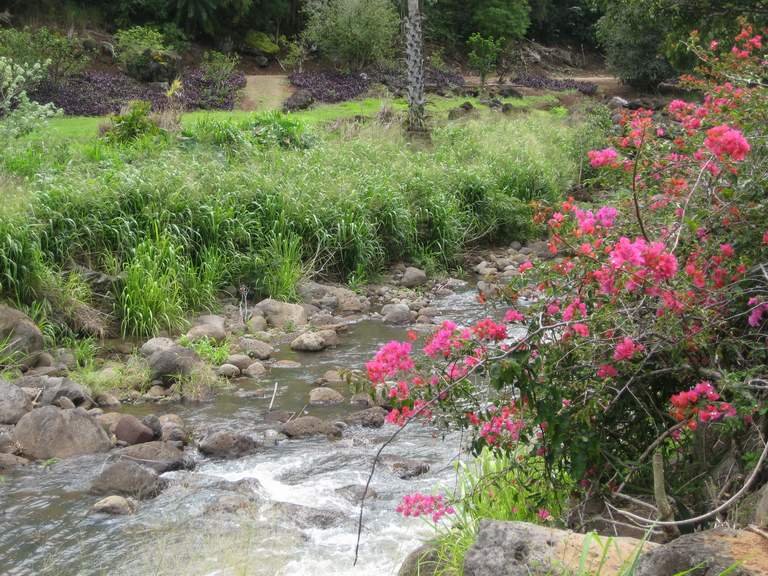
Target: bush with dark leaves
[331,86]
[434,80]
[101,93]
[558,85]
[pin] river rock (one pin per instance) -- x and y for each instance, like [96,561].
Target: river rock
[396,313]
[106,400]
[413,277]
[48,432]
[115,505]
[209,326]
[423,561]
[336,298]
[309,342]
[167,364]
[354,493]
[242,361]
[13,403]
[714,552]
[161,456]
[256,324]
[109,421]
[404,468]
[330,337]
[173,433]
[320,396]
[153,423]
[283,315]
[65,403]
[306,426]
[156,392]
[287,364]
[522,549]
[156,344]
[225,444]
[7,444]
[362,399]
[370,418]
[306,517]
[55,388]
[21,337]
[128,478]
[228,371]
[255,370]
[8,462]
[130,430]
[255,348]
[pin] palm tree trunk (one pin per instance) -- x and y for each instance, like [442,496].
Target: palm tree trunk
[414,59]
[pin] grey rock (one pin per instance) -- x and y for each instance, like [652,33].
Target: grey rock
[108,421]
[255,348]
[283,314]
[115,506]
[106,400]
[423,561]
[228,445]
[228,370]
[242,361]
[130,430]
[306,426]
[161,456]
[169,363]
[256,324]
[155,344]
[209,326]
[396,313]
[48,432]
[23,339]
[128,478]
[55,388]
[13,403]
[404,468]
[413,277]
[255,370]
[370,418]
[320,396]
[153,423]
[64,403]
[308,342]
[8,462]
[299,100]
[354,493]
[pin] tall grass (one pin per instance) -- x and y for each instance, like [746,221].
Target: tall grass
[183,217]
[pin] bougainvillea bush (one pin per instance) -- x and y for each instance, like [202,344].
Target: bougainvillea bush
[649,334]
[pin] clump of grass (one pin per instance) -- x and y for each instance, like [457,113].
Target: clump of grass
[199,385]
[207,349]
[282,266]
[132,375]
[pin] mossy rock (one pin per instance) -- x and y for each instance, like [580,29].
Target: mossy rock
[260,42]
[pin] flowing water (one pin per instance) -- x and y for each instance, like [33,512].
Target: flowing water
[280,511]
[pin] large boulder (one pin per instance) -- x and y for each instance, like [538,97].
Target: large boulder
[13,403]
[712,552]
[23,339]
[309,342]
[306,426]
[404,468]
[155,344]
[369,418]
[128,478]
[49,432]
[169,363]
[159,455]
[336,298]
[413,277]
[131,430]
[209,326]
[522,549]
[242,361]
[255,348]
[396,313]
[423,561]
[283,315]
[225,444]
[55,388]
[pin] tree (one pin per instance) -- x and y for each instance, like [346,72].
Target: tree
[414,58]
[484,52]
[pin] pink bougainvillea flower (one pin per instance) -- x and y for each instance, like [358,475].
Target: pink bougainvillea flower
[626,349]
[727,143]
[513,315]
[607,371]
[600,158]
[527,265]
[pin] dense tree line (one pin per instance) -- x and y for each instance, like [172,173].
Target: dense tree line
[643,39]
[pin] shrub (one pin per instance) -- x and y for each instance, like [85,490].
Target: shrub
[262,43]
[217,69]
[631,35]
[144,55]
[330,86]
[353,34]
[484,52]
[65,54]
[18,114]
[132,123]
[502,18]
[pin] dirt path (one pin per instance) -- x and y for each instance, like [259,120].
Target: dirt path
[264,92]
